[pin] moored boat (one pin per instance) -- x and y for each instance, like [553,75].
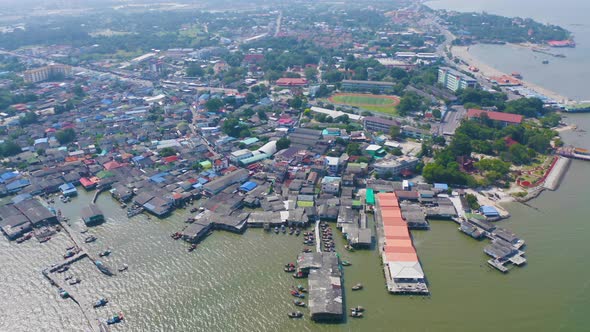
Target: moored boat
[74,281]
[103,268]
[123,268]
[63,269]
[358,286]
[297,294]
[90,238]
[115,319]
[105,253]
[62,292]
[356,314]
[299,303]
[192,247]
[301,289]
[295,314]
[24,238]
[346,263]
[358,309]
[100,303]
[69,254]
[298,275]
[45,239]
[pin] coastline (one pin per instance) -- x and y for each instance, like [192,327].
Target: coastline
[486,71]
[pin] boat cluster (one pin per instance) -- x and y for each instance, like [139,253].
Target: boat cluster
[283,229]
[298,292]
[357,312]
[309,238]
[327,239]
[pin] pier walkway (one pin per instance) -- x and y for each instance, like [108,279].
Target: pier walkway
[318,243]
[556,174]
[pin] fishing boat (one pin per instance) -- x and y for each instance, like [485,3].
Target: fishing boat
[295,314]
[299,303]
[297,232]
[291,231]
[192,247]
[176,235]
[63,269]
[301,289]
[62,292]
[74,281]
[306,250]
[24,238]
[283,229]
[44,239]
[297,294]
[276,230]
[193,210]
[289,269]
[346,263]
[348,247]
[358,309]
[84,231]
[356,314]
[115,319]
[71,248]
[68,277]
[105,253]
[123,205]
[90,238]
[357,287]
[100,303]
[298,275]
[103,268]
[69,254]
[123,268]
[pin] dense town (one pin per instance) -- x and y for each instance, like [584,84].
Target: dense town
[286,120]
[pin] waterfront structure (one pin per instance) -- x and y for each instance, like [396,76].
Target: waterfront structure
[217,185]
[17,219]
[45,73]
[504,118]
[326,298]
[403,271]
[395,166]
[377,124]
[367,86]
[455,80]
[92,215]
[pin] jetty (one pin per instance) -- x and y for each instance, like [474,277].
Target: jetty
[575,153]
[556,173]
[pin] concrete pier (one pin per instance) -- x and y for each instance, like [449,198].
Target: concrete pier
[556,174]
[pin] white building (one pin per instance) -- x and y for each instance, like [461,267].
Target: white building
[331,184]
[394,167]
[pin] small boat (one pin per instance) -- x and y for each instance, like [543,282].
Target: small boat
[283,229]
[299,303]
[105,253]
[357,309]
[115,319]
[63,269]
[276,230]
[84,231]
[69,254]
[301,289]
[103,268]
[295,314]
[306,250]
[346,263]
[100,303]
[45,239]
[176,235]
[68,277]
[123,205]
[193,210]
[298,275]
[90,238]
[74,281]
[123,268]
[297,294]
[356,314]
[297,232]
[291,231]
[357,287]
[192,247]
[71,248]
[348,247]
[62,292]
[289,269]
[545,62]
[24,238]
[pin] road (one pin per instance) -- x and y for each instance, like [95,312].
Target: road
[278,27]
[452,120]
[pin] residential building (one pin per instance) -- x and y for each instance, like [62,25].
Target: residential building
[331,184]
[414,132]
[236,156]
[454,80]
[44,73]
[396,166]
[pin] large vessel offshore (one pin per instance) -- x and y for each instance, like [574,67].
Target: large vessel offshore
[581,107]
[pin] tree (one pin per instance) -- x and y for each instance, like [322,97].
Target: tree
[28,118]
[461,145]
[436,113]
[472,201]
[78,91]
[353,149]
[262,115]
[394,131]
[283,143]
[214,105]
[409,103]
[194,70]
[65,136]
[9,148]
[519,154]
[167,152]
[296,102]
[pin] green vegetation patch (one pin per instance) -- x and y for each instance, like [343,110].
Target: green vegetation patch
[377,103]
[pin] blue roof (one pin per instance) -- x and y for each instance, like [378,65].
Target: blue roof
[19,198]
[442,186]
[17,184]
[489,210]
[7,176]
[248,186]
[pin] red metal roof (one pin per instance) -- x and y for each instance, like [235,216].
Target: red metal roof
[496,116]
[291,81]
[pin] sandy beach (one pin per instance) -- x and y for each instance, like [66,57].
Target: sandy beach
[485,70]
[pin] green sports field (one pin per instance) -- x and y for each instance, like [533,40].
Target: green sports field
[377,103]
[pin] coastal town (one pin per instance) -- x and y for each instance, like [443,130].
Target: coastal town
[361,123]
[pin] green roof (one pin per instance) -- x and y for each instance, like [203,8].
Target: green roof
[304,203]
[370,197]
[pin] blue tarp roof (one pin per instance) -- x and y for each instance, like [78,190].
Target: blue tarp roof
[489,210]
[248,186]
[7,176]
[442,186]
